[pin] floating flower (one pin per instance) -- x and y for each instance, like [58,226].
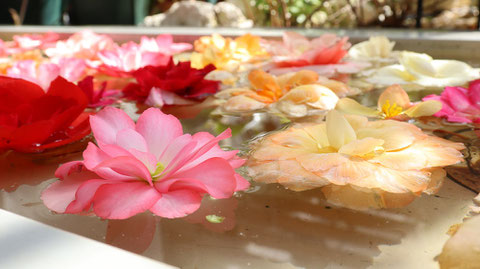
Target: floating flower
[43,74]
[227,54]
[462,250]
[421,69]
[375,49]
[293,94]
[98,97]
[123,60]
[163,44]
[32,120]
[84,45]
[148,166]
[459,104]
[33,41]
[172,84]
[323,55]
[393,103]
[357,163]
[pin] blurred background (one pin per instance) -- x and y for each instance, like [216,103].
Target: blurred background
[425,14]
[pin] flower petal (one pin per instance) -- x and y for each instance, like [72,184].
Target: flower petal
[427,108]
[394,95]
[177,204]
[107,123]
[158,129]
[123,200]
[350,106]
[339,131]
[216,174]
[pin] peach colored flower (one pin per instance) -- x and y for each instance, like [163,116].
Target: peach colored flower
[393,103]
[323,55]
[150,165]
[294,95]
[228,54]
[357,163]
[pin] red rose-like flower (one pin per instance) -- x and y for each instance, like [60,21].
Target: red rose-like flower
[32,120]
[171,84]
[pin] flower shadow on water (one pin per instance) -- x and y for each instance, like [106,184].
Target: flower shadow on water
[275,226]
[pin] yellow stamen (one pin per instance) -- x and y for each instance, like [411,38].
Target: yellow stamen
[391,110]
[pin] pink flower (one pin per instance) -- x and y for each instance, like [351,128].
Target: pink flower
[124,60]
[44,73]
[98,97]
[34,41]
[322,54]
[85,45]
[163,44]
[150,165]
[459,104]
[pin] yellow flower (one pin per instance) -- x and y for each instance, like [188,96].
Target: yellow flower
[226,53]
[357,163]
[393,103]
[293,94]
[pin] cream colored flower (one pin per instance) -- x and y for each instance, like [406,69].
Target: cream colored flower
[357,163]
[375,49]
[421,69]
[393,103]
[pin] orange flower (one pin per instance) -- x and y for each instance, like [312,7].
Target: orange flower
[226,53]
[356,163]
[294,94]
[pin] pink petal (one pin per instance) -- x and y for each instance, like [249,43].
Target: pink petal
[242,184]
[158,129]
[474,92]
[123,200]
[154,98]
[177,204]
[131,139]
[127,167]
[216,174]
[84,195]
[47,72]
[204,138]
[58,195]
[107,123]
[72,69]
[457,98]
[67,168]
[177,154]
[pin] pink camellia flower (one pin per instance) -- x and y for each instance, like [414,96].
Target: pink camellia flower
[128,58]
[459,104]
[164,44]
[323,54]
[34,41]
[150,165]
[84,44]
[98,97]
[43,74]
[123,60]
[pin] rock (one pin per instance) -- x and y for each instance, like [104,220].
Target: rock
[185,13]
[200,14]
[230,15]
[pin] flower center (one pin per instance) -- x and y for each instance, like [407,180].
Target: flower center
[158,171]
[391,110]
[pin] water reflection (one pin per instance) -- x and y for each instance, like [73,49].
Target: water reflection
[265,227]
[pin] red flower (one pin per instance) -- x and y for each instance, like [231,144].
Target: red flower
[157,83]
[32,120]
[97,97]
